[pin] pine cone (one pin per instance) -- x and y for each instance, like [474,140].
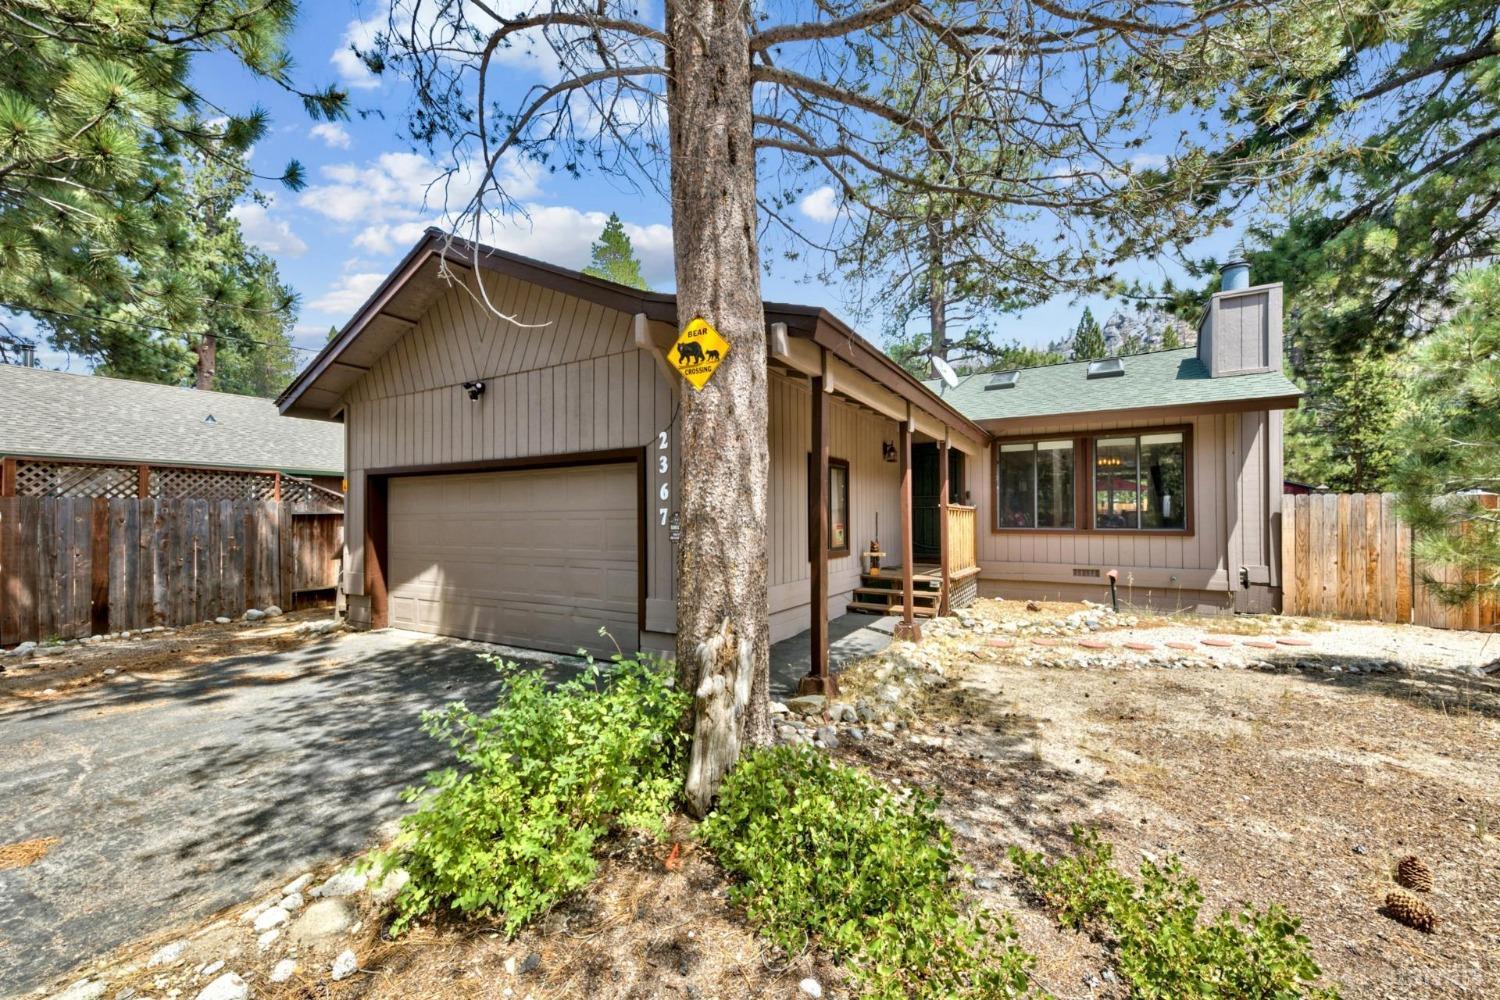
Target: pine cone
[1407,909]
[1414,874]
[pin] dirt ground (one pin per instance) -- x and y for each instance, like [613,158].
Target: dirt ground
[177,654]
[1302,788]
[1294,786]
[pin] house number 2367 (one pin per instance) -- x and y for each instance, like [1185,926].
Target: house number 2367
[663,468]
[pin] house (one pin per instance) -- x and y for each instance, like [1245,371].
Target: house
[65,434]
[515,482]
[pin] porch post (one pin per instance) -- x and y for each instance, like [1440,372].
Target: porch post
[943,523]
[818,680]
[907,628]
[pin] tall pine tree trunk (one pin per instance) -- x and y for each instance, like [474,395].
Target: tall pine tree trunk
[937,294]
[723,628]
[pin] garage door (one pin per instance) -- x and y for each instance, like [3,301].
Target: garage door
[537,558]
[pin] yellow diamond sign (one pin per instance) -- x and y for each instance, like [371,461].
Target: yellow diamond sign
[698,351]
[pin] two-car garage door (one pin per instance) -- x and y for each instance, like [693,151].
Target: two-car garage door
[539,558]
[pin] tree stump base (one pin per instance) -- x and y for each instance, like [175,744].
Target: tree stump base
[908,631]
[823,684]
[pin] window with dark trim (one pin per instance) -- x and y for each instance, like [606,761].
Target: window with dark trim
[838,506]
[1119,481]
[1034,484]
[1140,481]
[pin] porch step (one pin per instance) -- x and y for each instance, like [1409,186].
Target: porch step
[919,611]
[891,580]
[876,595]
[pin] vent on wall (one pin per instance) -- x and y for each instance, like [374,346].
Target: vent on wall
[1085,571]
[1003,380]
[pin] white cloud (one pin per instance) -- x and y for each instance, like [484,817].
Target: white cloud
[332,134]
[274,236]
[820,204]
[561,234]
[348,293]
[531,51]
[358,34]
[1148,161]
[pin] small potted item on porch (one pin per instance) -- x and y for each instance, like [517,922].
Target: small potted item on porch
[871,559]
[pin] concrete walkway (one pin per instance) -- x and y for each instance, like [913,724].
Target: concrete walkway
[850,637]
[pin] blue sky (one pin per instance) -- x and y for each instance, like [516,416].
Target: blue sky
[367,201]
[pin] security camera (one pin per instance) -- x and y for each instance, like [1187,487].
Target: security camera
[474,389]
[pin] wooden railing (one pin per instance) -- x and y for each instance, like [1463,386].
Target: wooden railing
[963,539]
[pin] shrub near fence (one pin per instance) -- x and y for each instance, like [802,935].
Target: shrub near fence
[1347,555]
[75,566]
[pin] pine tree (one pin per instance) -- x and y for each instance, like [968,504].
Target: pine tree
[1088,339]
[1171,340]
[98,118]
[1450,444]
[614,258]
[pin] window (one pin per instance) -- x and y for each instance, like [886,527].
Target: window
[1140,482]
[838,506]
[1034,485]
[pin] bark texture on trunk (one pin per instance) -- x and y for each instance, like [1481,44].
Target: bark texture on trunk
[937,295]
[723,627]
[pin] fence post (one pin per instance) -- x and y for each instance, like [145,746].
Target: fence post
[143,482]
[7,477]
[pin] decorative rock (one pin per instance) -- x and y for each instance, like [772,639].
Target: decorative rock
[777,708]
[166,954]
[84,989]
[1260,644]
[274,612]
[221,620]
[807,704]
[282,971]
[254,615]
[346,883]
[273,917]
[21,650]
[267,939]
[1047,643]
[323,919]
[986,884]
[227,987]
[390,886]
[1093,644]
[810,987]
[1218,643]
[1141,647]
[344,966]
[828,737]
[292,901]
[1179,644]
[998,642]
[297,884]
[210,968]
[522,966]
[1288,640]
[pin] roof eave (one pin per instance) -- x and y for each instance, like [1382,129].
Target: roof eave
[1001,426]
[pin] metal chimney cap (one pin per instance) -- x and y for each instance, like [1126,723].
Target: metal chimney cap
[1234,275]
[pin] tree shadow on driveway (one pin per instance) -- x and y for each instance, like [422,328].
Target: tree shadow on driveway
[172,800]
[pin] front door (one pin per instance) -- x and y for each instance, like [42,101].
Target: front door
[926,487]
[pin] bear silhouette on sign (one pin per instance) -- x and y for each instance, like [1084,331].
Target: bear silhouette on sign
[713,355]
[689,350]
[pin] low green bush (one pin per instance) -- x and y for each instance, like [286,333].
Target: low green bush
[511,828]
[1161,948]
[828,856]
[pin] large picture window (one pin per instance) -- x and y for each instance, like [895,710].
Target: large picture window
[1140,482]
[1034,486]
[1135,481]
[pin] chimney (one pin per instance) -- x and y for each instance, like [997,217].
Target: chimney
[1240,330]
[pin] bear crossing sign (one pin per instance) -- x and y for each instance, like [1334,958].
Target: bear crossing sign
[698,351]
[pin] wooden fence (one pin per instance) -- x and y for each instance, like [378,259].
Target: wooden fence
[1347,555]
[75,566]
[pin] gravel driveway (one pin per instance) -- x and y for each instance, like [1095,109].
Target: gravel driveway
[170,800]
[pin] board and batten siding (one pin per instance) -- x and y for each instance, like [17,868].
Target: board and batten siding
[565,378]
[1236,500]
[855,435]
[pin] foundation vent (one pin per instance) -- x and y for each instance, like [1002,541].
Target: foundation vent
[1086,572]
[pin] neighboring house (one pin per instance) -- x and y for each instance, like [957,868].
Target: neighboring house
[63,434]
[517,482]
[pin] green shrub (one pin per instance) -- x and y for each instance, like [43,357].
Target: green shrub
[1161,948]
[829,856]
[511,829]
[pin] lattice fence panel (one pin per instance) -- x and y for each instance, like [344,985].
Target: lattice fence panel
[211,484]
[302,492]
[66,479]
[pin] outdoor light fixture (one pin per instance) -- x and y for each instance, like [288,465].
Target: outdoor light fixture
[888,450]
[474,389]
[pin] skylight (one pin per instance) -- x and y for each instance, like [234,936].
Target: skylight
[1106,368]
[1003,380]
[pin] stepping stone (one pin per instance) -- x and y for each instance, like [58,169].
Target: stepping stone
[1042,641]
[1290,641]
[999,643]
[1141,647]
[1260,644]
[1179,644]
[1218,643]
[1093,644]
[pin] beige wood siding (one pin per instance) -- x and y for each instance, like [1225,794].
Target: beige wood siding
[1235,457]
[567,380]
[542,558]
[854,434]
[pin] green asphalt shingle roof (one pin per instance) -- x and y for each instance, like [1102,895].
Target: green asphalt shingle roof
[64,415]
[1161,378]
